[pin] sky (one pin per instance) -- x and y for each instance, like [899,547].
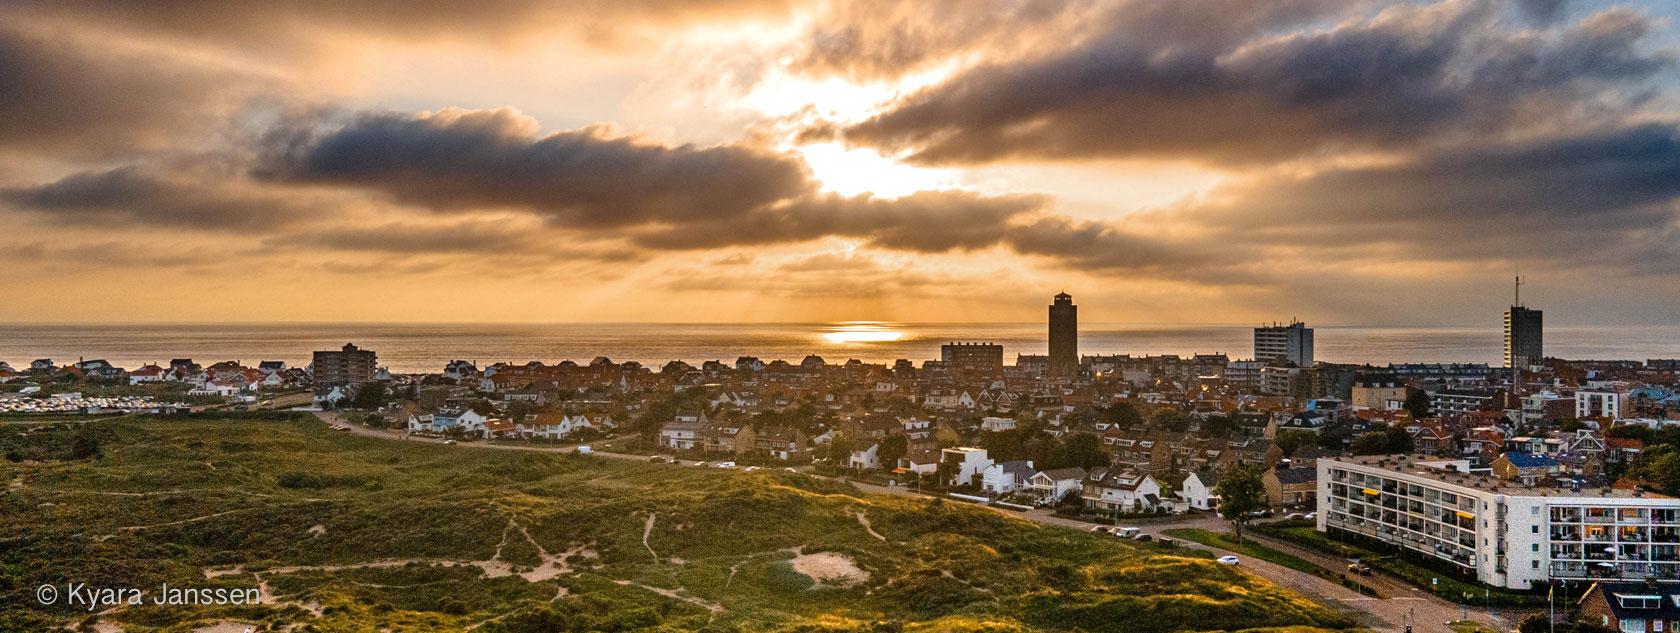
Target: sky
[1348,162]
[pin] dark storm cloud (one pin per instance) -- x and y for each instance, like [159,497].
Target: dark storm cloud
[248,23]
[927,221]
[1608,200]
[486,159]
[471,237]
[1618,179]
[1408,75]
[886,38]
[60,98]
[137,196]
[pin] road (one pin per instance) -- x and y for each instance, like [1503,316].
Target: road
[1400,602]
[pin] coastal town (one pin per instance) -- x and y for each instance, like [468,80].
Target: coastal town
[1544,470]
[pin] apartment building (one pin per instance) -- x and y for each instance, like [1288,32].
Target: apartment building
[1501,533]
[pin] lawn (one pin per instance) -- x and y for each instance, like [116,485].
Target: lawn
[1247,548]
[347,533]
[1436,581]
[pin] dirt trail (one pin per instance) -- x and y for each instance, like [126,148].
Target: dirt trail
[676,594]
[647,531]
[867,527]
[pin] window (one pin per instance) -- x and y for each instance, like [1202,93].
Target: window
[1533,529]
[1533,564]
[1534,547]
[1633,625]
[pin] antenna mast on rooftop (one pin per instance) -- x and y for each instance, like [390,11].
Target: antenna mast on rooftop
[1519,292]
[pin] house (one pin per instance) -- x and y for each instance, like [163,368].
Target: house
[271,367]
[994,423]
[457,419]
[100,370]
[922,462]
[1121,490]
[1528,468]
[1291,486]
[41,364]
[780,442]
[1002,478]
[966,462]
[734,438]
[498,427]
[147,373]
[1197,490]
[1056,484]
[551,426]
[681,434]
[865,459]
[1634,607]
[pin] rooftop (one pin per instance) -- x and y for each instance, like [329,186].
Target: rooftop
[1434,469]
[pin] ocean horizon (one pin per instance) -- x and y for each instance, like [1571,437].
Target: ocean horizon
[410,348]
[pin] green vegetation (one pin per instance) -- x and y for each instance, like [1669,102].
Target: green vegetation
[1240,492]
[1246,548]
[348,533]
[1437,581]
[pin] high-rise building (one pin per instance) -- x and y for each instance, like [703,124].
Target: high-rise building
[348,366]
[1522,334]
[1522,337]
[1280,344]
[975,358]
[1064,336]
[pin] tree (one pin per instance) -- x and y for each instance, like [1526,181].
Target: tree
[892,448]
[1399,441]
[1122,414]
[1417,403]
[1083,450]
[1240,492]
[1659,467]
[1370,443]
[1170,420]
[1290,440]
[370,396]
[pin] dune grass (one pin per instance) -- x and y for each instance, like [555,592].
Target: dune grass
[351,534]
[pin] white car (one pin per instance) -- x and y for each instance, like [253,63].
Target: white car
[724,465]
[1229,560]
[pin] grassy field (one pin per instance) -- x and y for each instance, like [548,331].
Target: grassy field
[1435,581]
[345,533]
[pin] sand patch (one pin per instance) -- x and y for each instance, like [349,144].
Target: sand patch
[830,569]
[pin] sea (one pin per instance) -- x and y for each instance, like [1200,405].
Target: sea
[412,348]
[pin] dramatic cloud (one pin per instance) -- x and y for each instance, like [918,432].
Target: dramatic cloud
[255,22]
[137,196]
[477,159]
[60,97]
[1409,75]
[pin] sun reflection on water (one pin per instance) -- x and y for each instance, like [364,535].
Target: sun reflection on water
[861,332]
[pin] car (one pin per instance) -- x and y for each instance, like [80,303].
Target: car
[724,465]
[1229,560]
[699,463]
[791,469]
[1294,516]
[1125,532]
[1100,528]
[1356,567]
[1311,516]
[449,442]
[657,459]
[1143,538]
[585,450]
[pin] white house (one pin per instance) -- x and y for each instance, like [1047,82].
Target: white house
[1122,491]
[968,461]
[1055,485]
[681,434]
[993,423]
[866,459]
[1197,490]
[1002,478]
[419,422]
[464,420]
[147,373]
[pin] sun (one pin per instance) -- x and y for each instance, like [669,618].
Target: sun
[857,170]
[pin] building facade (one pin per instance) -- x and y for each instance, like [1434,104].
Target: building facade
[1279,344]
[1500,533]
[973,358]
[1064,336]
[1522,337]
[347,366]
